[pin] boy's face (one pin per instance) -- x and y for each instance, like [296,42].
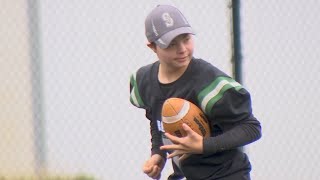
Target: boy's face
[178,54]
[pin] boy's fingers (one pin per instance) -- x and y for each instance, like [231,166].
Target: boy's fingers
[172,154]
[186,127]
[183,157]
[155,172]
[176,153]
[147,168]
[170,147]
[174,139]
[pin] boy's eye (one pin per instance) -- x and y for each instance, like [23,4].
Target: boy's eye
[183,39]
[186,38]
[172,44]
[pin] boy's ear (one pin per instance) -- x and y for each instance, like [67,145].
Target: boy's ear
[152,46]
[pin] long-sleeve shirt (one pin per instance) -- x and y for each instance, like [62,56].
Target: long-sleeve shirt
[225,102]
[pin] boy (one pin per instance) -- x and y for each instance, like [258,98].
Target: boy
[225,102]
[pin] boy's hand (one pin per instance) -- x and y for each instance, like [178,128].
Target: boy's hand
[190,144]
[153,166]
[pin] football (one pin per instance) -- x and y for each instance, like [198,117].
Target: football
[176,111]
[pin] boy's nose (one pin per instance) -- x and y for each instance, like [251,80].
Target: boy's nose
[181,47]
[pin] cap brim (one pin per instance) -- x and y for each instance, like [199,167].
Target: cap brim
[164,41]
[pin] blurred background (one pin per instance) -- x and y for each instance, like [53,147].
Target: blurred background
[64,84]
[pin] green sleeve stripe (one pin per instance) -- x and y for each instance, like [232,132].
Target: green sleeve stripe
[135,97]
[214,99]
[209,88]
[214,92]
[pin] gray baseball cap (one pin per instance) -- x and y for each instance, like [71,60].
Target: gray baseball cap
[164,23]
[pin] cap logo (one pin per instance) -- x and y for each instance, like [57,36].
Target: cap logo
[167,19]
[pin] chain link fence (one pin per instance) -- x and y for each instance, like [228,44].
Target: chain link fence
[64,84]
[282,71]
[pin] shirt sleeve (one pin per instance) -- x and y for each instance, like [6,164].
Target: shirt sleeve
[135,97]
[229,108]
[156,139]
[137,100]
